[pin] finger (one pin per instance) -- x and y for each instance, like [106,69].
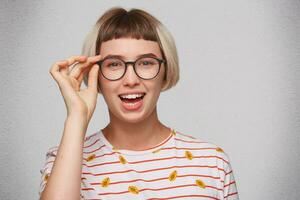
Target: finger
[79,71]
[93,78]
[81,76]
[56,69]
[64,68]
[83,73]
[74,60]
[81,67]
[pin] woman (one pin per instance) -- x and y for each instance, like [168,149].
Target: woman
[129,57]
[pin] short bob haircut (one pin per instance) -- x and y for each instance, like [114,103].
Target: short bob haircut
[137,24]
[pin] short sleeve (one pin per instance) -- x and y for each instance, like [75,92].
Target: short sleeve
[46,169]
[229,185]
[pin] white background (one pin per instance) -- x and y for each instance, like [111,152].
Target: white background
[239,85]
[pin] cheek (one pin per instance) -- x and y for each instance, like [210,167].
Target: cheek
[156,86]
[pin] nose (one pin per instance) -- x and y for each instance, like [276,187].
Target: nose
[130,78]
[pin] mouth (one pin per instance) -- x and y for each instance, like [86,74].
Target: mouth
[132,98]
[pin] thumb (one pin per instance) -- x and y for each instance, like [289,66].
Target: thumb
[93,77]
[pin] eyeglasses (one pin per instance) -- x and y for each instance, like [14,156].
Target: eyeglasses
[145,68]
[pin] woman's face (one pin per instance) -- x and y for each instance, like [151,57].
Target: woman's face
[126,110]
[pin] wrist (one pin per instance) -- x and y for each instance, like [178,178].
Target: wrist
[80,120]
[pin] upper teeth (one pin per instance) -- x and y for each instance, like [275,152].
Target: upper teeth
[131,96]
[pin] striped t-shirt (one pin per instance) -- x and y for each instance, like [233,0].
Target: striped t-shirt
[180,167]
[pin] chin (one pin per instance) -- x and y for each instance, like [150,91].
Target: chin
[132,117]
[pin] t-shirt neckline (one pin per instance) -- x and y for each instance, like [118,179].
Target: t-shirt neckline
[137,152]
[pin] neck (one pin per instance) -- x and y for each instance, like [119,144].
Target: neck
[135,136]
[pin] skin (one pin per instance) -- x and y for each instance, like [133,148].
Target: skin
[133,130]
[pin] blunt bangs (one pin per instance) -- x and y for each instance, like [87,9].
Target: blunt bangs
[126,25]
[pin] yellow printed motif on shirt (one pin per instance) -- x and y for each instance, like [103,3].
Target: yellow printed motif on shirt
[105,182]
[173,132]
[188,155]
[90,157]
[133,189]
[156,151]
[200,183]
[46,177]
[122,160]
[173,175]
[219,149]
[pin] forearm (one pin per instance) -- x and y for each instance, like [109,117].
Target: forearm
[65,179]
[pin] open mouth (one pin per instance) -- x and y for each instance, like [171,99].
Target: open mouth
[132,98]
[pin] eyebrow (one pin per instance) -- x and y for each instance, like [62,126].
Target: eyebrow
[122,57]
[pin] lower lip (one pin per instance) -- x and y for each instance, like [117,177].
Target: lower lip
[133,106]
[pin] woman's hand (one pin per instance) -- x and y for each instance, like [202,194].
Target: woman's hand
[78,101]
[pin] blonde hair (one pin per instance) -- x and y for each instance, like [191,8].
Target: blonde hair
[118,23]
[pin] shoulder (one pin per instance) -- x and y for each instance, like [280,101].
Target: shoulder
[188,140]
[201,146]
[89,142]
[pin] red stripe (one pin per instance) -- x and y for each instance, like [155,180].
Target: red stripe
[87,152]
[168,148]
[231,194]
[85,189]
[228,172]
[233,182]
[158,144]
[157,179]
[92,199]
[158,169]
[186,135]
[90,136]
[49,163]
[105,154]
[91,144]
[159,189]
[187,141]
[151,160]
[182,148]
[100,164]
[143,161]
[176,197]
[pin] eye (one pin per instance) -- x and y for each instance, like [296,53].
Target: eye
[112,63]
[147,62]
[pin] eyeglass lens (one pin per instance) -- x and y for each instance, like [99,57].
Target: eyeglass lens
[114,68]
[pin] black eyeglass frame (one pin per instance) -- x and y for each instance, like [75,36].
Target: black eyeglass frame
[160,61]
